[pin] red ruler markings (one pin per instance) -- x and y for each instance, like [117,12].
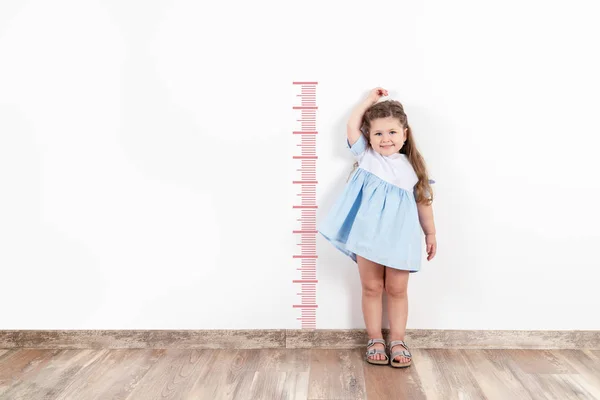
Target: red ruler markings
[306,182]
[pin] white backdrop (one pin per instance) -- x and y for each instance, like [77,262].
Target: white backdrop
[145,159]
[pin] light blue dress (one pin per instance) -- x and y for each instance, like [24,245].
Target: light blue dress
[376,215]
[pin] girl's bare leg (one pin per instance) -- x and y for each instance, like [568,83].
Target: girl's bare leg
[396,286]
[371,277]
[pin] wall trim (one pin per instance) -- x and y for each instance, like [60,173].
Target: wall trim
[294,339]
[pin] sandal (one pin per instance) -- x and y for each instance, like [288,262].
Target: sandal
[372,352]
[403,353]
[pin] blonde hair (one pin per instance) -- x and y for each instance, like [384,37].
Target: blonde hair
[393,108]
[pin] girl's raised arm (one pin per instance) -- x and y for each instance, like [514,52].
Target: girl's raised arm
[355,120]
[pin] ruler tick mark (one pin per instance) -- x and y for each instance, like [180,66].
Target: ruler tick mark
[307,181]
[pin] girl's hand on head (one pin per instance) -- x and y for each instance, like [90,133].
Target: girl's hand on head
[376,94]
[431,243]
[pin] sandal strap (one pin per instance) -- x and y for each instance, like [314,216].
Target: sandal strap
[371,342]
[403,353]
[398,343]
[373,352]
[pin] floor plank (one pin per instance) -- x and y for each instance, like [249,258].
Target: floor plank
[539,362]
[173,375]
[296,374]
[587,367]
[293,384]
[18,366]
[494,372]
[445,374]
[336,374]
[56,375]
[385,382]
[255,374]
[562,387]
[112,375]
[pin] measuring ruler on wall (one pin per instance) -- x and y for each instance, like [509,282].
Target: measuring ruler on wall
[305,157]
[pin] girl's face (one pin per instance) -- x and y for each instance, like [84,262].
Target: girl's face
[387,135]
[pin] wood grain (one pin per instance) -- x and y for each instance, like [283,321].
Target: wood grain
[293,339]
[494,371]
[114,373]
[57,374]
[336,374]
[296,374]
[143,339]
[384,383]
[17,366]
[445,374]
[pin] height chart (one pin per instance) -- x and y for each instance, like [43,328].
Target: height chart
[305,205]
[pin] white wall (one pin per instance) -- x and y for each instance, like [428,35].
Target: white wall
[145,159]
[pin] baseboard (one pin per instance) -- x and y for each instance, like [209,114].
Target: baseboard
[460,339]
[293,338]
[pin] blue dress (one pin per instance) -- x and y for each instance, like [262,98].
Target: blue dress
[376,216]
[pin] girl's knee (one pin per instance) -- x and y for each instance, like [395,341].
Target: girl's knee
[373,288]
[396,283]
[396,290]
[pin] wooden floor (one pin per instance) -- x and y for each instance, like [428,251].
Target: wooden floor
[296,374]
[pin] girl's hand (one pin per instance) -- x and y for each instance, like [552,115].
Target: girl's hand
[376,94]
[431,243]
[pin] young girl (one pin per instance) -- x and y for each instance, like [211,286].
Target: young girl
[380,218]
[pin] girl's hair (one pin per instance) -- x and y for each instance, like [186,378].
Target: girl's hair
[392,108]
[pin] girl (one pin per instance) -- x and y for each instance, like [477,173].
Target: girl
[380,218]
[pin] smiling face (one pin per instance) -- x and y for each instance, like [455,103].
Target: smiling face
[387,135]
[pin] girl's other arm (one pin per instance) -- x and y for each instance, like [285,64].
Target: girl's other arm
[428,225]
[355,120]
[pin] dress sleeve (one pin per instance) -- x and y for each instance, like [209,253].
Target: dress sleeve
[427,194]
[358,148]
[431,182]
